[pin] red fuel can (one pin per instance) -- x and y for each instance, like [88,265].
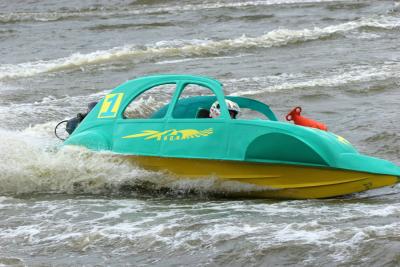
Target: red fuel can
[295,115]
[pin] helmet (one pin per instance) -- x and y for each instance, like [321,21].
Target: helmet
[233,108]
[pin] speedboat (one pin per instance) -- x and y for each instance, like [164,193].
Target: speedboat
[278,158]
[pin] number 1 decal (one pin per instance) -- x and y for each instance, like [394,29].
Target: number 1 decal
[110,105]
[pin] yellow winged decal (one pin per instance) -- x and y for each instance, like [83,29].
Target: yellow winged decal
[171,135]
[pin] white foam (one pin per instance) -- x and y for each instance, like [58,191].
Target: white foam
[175,61]
[214,185]
[355,237]
[306,233]
[187,49]
[196,59]
[3,199]
[367,36]
[382,211]
[28,231]
[6,87]
[323,227]
[117,213]
[33,164]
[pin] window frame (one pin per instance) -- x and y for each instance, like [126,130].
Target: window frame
[181,85]
[134,97]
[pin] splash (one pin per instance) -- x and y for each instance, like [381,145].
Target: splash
[32,161]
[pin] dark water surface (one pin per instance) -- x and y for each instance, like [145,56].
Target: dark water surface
[339,60]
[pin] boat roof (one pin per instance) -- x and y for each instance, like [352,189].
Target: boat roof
[178,77]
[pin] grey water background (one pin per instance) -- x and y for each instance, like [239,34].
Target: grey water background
[339,60]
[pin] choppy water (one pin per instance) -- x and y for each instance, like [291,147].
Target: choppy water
[339,60]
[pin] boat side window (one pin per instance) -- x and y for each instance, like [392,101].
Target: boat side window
[151,104]
[194,102]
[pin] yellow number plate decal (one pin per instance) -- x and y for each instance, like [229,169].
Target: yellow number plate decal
[110,105]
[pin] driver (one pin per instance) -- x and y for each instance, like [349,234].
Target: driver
[233,109]
[73,123]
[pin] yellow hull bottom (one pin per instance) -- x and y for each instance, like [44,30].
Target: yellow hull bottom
[272,180]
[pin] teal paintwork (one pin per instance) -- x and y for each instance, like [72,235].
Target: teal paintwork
[265,141]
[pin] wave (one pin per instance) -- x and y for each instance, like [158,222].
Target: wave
[106,27]
[386,144]
[336,77]
[6,31]
[175,61]
[33,162]
[169,227]
[19,115]
[347,6]
[256,17]
[191,48]
[347,74]
[139,10]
